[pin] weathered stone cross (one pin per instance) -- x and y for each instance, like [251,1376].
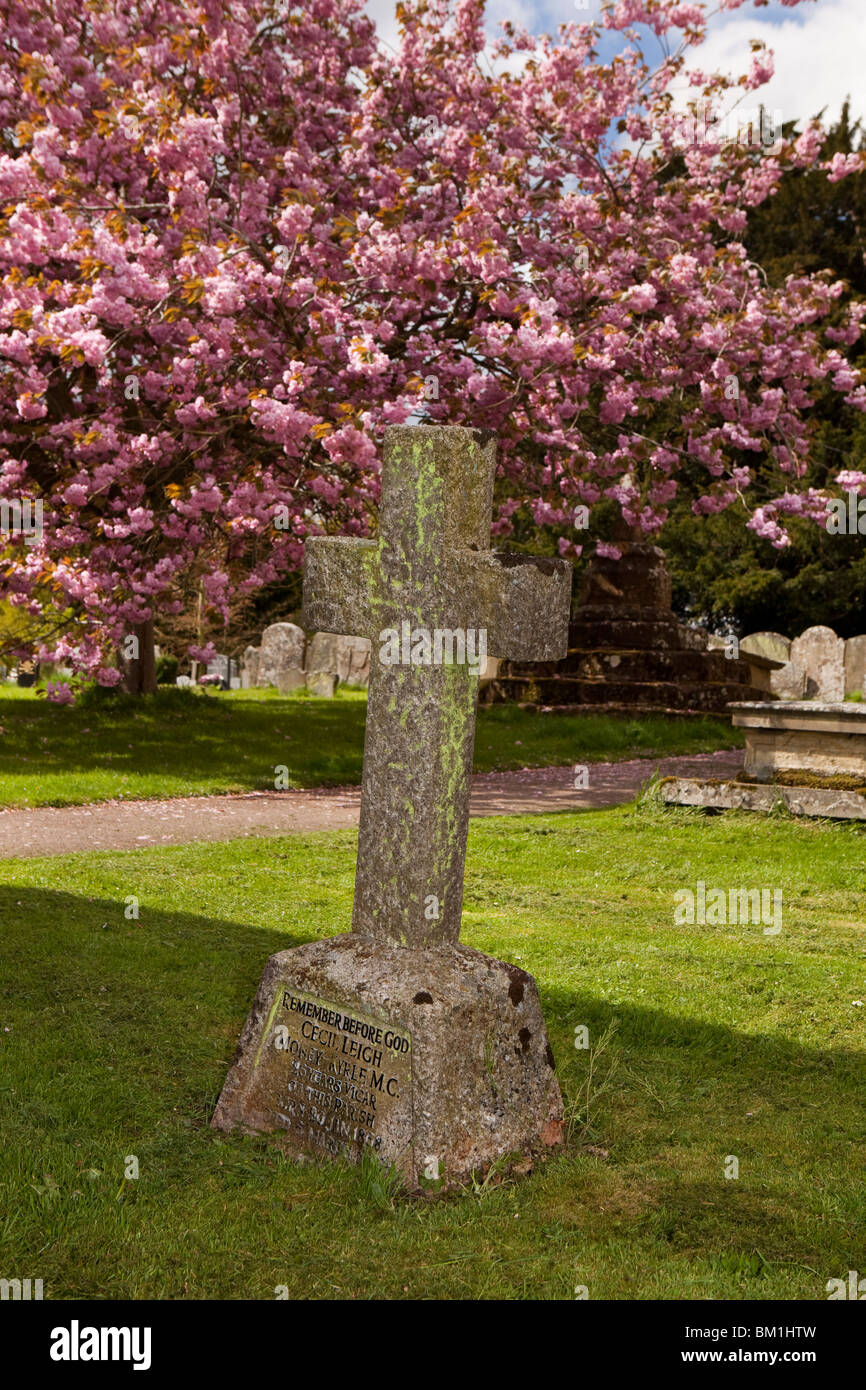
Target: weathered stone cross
[395,1037]
[430,571]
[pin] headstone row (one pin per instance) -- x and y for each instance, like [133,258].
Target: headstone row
[818,665]
[287,660]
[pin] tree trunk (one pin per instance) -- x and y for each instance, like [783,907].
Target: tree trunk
[140,672]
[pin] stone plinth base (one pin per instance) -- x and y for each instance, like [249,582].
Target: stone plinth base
[438,1061]
[740,796]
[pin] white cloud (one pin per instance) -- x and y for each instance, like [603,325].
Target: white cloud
[820,56]
[820,48]
[382,13]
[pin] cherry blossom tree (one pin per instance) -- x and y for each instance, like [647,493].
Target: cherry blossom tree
[169,181]
[576,233]
[237,240]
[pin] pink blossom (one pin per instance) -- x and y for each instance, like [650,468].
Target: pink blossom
[210,306]
[31,407]
[59,693]
[641,297]
[842,164]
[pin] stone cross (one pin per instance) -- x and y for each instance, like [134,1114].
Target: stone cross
[395,1037]
[431,596]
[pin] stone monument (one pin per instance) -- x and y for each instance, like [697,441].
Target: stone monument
[627,651]
[824,738]
[347,658]
[250,667]
[395,1036]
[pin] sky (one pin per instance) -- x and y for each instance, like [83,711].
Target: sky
[820,47]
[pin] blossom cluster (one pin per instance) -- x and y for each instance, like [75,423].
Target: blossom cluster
[236,238]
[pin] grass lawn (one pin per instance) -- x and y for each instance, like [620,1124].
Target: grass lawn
[707,1042]
[179,744]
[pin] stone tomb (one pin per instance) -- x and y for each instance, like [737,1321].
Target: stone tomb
[827,739]
[809,755]
[395,1036]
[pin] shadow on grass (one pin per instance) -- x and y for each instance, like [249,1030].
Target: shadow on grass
[121,1033]
[200,740]
[165,989]
[654,1030]
[176,743]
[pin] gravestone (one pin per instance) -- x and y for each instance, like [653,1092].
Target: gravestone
[789,682]
[282,647]
[820,655]
[28,672]
[769,644]
[250,667]
[322,650]
[322,683]
[768,657]
[395,1036]
[353,661]
[293,678]
[855,666]
[347,658]
[224,667]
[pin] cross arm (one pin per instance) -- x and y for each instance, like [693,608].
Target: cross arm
[339,585]
[524,602]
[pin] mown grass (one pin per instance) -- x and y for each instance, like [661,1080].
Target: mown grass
[185,744]
[706,1042]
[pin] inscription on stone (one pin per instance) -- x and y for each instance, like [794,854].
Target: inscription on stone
[330,1076]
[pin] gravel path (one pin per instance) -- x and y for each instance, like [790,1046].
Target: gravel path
[137,824]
